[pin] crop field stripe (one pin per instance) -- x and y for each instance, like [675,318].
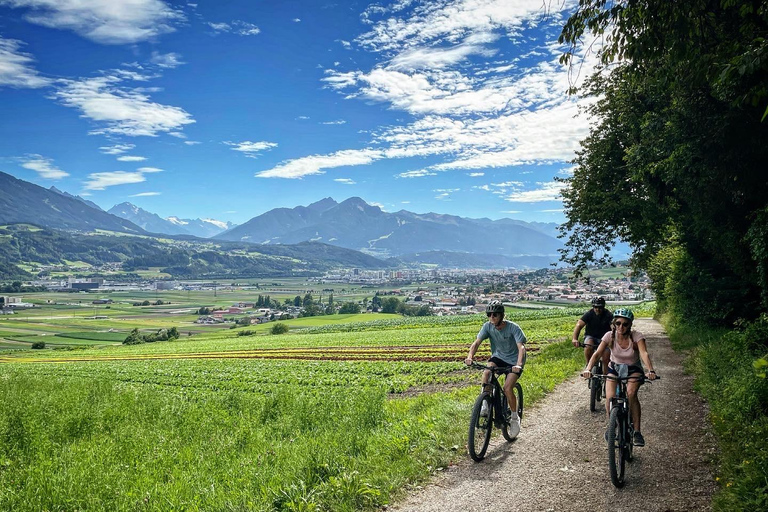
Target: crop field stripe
[381,353]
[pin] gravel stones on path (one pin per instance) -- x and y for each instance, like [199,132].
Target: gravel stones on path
[559,462]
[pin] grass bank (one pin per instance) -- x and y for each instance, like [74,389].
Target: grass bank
[727,376]
[74,443]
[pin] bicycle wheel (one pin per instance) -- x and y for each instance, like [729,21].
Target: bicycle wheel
[616,448]
[480,428]
[505,430]
[518,391]
[594,389]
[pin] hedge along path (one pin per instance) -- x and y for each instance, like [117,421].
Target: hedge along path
[419,353]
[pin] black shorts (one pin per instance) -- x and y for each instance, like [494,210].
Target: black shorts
[503,364]
[632,369]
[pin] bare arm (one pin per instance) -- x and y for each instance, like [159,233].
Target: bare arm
[593,360]
[520,355]
[472,350]
[576,330]
[641,346]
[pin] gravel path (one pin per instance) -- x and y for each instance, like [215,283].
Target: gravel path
[560,454]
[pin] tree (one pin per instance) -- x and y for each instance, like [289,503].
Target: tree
[389,305]
[349,308]
[279,328]
[671,162]
[297,301]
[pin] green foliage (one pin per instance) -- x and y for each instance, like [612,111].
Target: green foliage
[672,157]
[279,328]
[38,345]
[349,308]
[723,363]
[136,338]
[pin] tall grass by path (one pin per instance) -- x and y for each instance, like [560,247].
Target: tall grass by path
[75,443]
[723,363]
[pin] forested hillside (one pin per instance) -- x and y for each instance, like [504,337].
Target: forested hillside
[180,258]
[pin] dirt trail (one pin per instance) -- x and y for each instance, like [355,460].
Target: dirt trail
[560,454]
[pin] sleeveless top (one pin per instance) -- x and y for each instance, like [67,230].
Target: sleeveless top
[629,355]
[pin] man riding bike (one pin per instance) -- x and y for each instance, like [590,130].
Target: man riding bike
[507,350]
[597,322]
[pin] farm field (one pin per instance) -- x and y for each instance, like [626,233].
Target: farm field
[331,417]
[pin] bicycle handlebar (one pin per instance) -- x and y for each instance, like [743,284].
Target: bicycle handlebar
[495,369]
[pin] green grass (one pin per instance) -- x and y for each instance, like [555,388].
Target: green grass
[723,363]
[88,444]
[242,434]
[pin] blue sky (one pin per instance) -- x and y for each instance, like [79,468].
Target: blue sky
[225,110]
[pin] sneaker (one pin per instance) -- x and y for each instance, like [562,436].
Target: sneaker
[638,439]
[514,425]
[484,410]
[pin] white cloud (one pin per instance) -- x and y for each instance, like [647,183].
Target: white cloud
[346,181]
[315,164]
[192,142]
[120,110]
[102,180]
[103,21]
[116,149]
[130,158]
[549,191]
[416,174]
[149,169]
[145,194]
[340,121]
[251,149]
[475,174]
[43,166]
[15,67]
[296,20]
[239,27]
[166,60]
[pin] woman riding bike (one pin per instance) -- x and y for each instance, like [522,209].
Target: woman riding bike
[628,348]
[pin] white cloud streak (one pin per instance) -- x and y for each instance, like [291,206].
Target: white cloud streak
[130,158]
[145,194]
[121,110]
[102,180]
[43,166]
[251,149]
[16,67]
[102,21]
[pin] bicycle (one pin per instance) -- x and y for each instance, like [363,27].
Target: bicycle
[621,430]
[497,409]
[595,384]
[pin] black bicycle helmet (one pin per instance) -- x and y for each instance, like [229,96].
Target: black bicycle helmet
[598,302]
[495,306]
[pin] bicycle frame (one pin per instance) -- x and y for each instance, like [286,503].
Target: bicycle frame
[492,396]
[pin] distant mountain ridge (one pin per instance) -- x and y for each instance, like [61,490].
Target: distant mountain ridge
[152,222]
[25,202]
[355,224]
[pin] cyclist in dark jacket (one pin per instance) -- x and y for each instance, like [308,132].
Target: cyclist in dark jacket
[597,322]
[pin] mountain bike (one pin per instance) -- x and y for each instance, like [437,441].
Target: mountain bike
[596,384]
[496,412]
[621,430]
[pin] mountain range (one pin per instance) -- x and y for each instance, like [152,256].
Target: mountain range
[355,224]
[152,222]
[24,202]
[430,238]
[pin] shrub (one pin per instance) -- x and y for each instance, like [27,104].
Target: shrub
[38,345]
[279,328]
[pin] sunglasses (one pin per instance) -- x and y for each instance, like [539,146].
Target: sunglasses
[622,324]
[492,314]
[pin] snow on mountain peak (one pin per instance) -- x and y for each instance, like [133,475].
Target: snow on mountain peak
[217,223]
[177,221]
